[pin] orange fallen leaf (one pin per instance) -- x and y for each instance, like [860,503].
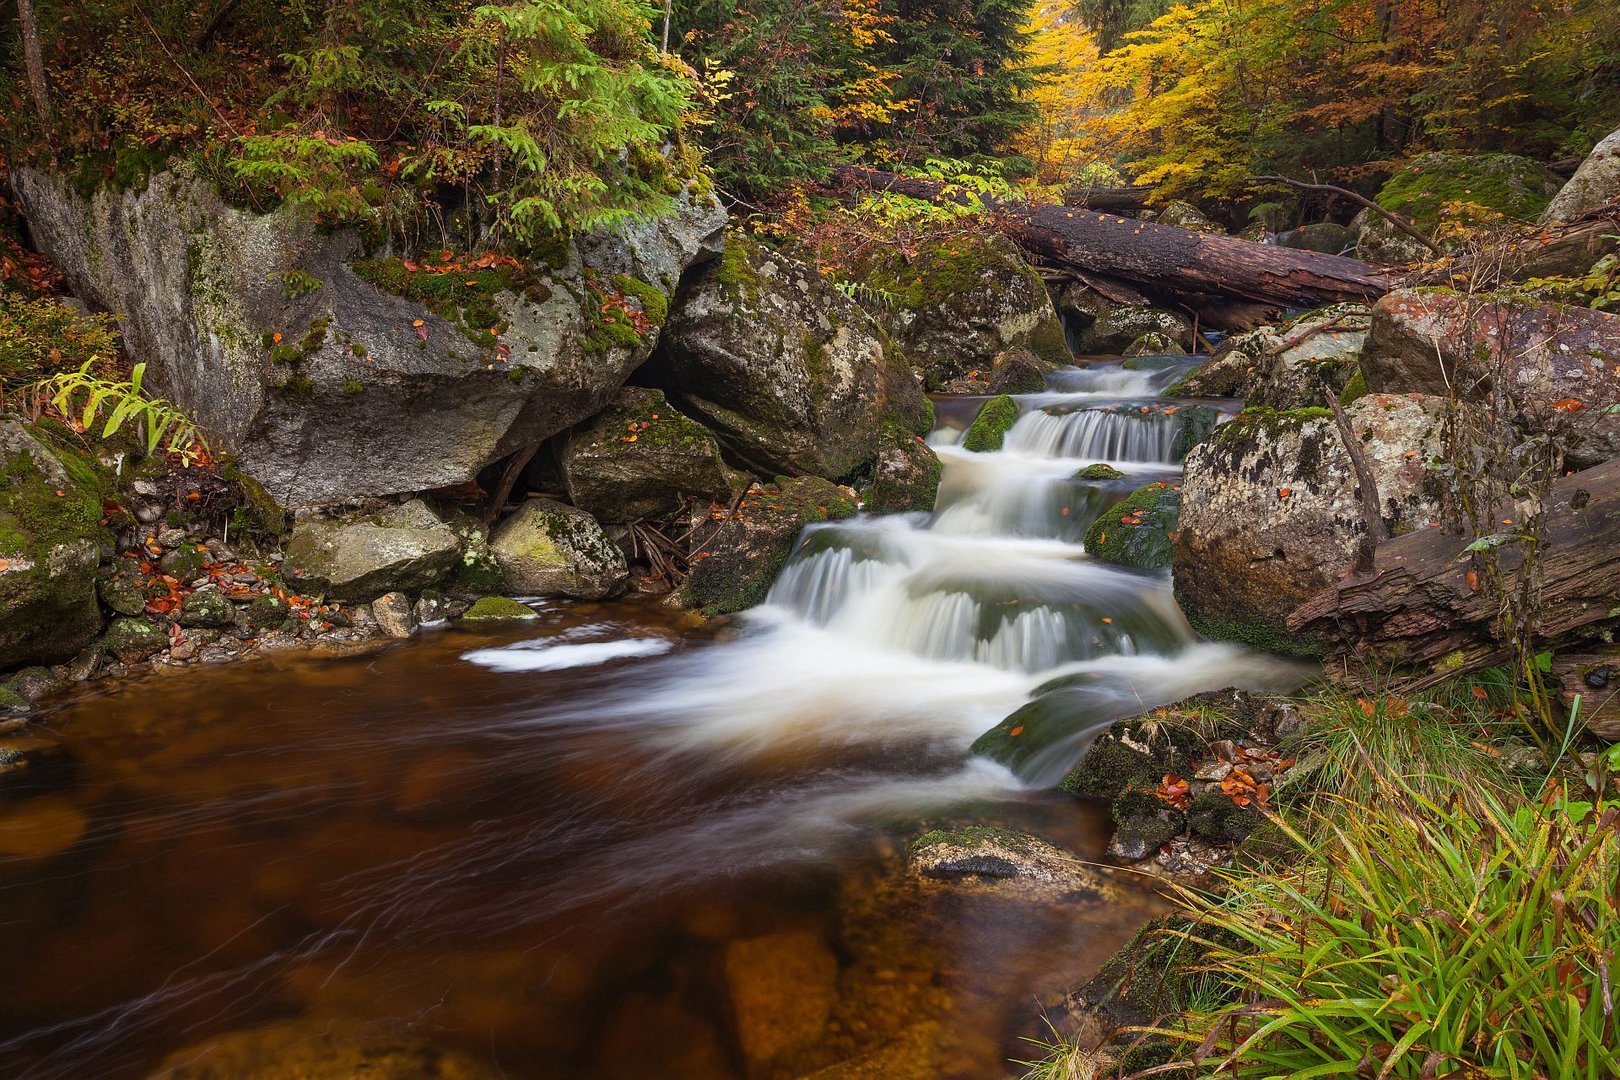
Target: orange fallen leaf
[1019,730]
[1472,578]
[1284,492]
[1569,404]
[276,337]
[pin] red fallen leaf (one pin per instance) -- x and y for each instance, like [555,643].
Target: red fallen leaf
[411,266]
[1108,618]
[1473,580]
[1242,800]
[421,332]
[1019,730]
[159,606]
[1479,693]
[1569,404]
[1063,512]
[1284,492]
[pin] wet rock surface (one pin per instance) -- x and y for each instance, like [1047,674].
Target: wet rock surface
[549,548]
[357,556]
[641,458]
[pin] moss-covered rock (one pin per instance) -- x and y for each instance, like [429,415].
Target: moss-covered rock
[1137,752]
[360,556]
[50,545]
[641,458]
[988,430]
[476,572]
[207,608]
[549,548]
[1255,366]
[791,375]
[740,555]
[958,302]
[267,611]
[1142,824]
[1180,214]
[1470,187]
[905,476]
[1098,326]
[498,610]
[1099,470]
[131,640]
[1213,815]
[1139,531]
[1154,344]
[1018,371]
[992,855]
[1595,182]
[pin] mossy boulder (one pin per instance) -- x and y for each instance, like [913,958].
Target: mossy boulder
[1440,342]
[1271,510]
[1099,470]
[958,302]
[1142,823]
[331,374]
[50,545]
[549,548]
[1326,237]
[1253,365]
[1470,188]
[1180,214]
[498,610]
[207,608]
[1137,752]
[1594,183]
[989,428]
[1138,532]
[359,556]
[267,612]
[905,476]
[476,571]
[641,458]
[1116,327]
[1018,371]
[790,375]
[742,554]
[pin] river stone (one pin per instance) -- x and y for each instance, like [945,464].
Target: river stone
[492,610]
[1114,331]
[122,589]
[394,615]
[989,429]
[1270,511]
[1143,823]
[476,571]
[365,392]
[905,476]
[958,302]
[133,639]
[1326,237]
[35,828]
[790,374]
[358,556]
[1155,344]
[267,611]
[1594,183]
[207,608]
[50,546]
[1018,862]
[738,557]
[1248,366]
[1561,362]
[783,988]
[1018,371]
[1137,532]
[320,1050]
[641,458]
[550,548]
[1181,214]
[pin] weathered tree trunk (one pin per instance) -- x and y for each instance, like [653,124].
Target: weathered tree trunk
[1159,256]
[1120,200]
[33,59]
[1423,599]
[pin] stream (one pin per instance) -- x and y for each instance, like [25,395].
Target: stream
[615,843]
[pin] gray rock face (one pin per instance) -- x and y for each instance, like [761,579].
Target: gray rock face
[1184,215]
[790,374]
[960,302]
[365,392]
[1377,241]
[552,549]
[1561,364]
[394,614]
[355,558]
[1113,331]
[1594,183]
[1270,511]
[50,544]
[905,477]
[1324,236]
[1248,366]
[641,458]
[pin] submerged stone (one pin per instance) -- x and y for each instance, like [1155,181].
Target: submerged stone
[498,609]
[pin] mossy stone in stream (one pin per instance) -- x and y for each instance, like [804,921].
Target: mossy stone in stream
[498,610]
[1099,471]
[1135,752]
[1142,823]
[1213,815]
[1137,533]
[990,427]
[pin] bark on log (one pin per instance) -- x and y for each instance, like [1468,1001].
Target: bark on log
[1159,257]
[1417,606]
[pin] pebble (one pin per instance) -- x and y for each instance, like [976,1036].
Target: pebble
[171,538]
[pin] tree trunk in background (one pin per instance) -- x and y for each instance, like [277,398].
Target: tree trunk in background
[34,58]
[1159,257]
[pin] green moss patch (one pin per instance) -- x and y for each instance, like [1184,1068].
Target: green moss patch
[1139,531]
[1499,183]
[989,429]
[464,297]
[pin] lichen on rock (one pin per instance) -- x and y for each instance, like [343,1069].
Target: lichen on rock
[549,548]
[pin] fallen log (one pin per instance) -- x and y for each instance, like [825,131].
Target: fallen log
[1157,257]
[1424,600]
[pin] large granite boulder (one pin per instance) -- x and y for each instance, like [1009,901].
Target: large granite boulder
[1594,183]
[959,302]
[552,549]
[641,458]
[50,544]
[790,374]
[359,556]
[331,374]
[1271,511]
[1561,364]
[1254,366]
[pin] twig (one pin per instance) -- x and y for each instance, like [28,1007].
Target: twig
[1306,334]
[1360,200]
[181,68]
